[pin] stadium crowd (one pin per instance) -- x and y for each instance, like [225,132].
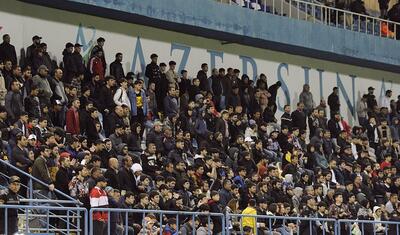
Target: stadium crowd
[209,144]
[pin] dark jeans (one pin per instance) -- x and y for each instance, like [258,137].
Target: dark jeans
[139,117]
[98,227]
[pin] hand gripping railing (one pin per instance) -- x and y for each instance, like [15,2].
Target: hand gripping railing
[71,228]
[315,12]
[269,224]
[161,214]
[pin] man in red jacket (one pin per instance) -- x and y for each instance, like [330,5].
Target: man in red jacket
[72,118]
[96,66]
[98,199]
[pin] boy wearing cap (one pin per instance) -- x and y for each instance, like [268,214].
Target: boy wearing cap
[10,197]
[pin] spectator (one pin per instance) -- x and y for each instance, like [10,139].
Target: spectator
[96,65]
[171,104]
[306,98]
[31,49]
[202,76]
[41,172]
[171,75]
[121,95]
[7,51]
[98,199]
[153,72]
[14,104]
[334,102]
[41,81]
[10,197]
[116,68]
[97,48]
[299,117]
[138,101]
[69,63]
[72,118]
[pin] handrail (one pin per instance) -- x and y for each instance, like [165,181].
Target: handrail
[349,20]
[160,212]
[79,210]
[27,200]
[31,177]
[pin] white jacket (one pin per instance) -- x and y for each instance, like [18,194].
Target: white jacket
[121,97]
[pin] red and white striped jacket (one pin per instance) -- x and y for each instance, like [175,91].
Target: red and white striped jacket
[98,198]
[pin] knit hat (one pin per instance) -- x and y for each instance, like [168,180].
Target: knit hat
[136,167]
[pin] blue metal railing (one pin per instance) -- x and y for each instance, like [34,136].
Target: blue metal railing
[36,180]
[300,225]
[282,221]
[161,214]
[73,224]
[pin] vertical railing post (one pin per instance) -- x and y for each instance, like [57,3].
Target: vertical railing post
[47,220]
[68,225]
[91,221]
[126,223]
[6,221]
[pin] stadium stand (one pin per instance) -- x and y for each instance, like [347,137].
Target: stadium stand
[347,15]
[92,148]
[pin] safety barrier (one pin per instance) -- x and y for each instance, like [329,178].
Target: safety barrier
[44,219]
[181,218]
[316,12]
[346,227]
[265,224]
[83,224]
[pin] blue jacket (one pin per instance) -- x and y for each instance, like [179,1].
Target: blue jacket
[132,99]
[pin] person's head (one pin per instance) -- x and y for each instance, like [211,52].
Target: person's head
[101,41]
[118,57]
[286,108]
[306,87]
[338,198]
[36,40]
[300,106]
[129,198]
[336,90]
[113,163]
[204,67]
[110,81]
[15,86]
[14,184]
[172,65]
[65,162]
[6,38]
[251,203]
[101,182]
[371,90]
[127,161]
[76,103]
[215,196]
[154,58]
[22,141]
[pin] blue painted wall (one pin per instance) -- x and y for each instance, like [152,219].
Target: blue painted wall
[280,33]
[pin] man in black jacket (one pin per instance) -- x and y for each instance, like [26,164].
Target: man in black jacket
[69,65]
[334,102]
[31,49]
[299,117]
[216,85]
[10,197]
[215,208]
[116,68]
[286,118]
[112,173]
[63,177]
[153,72]
[7,51]
[79,66]
[125,176]
[202,76]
